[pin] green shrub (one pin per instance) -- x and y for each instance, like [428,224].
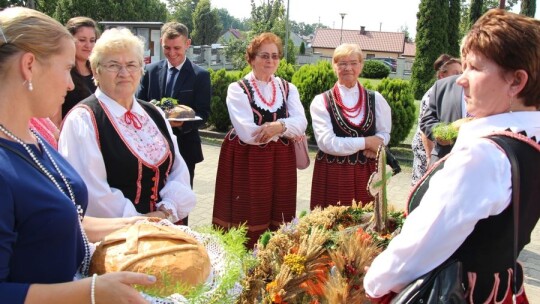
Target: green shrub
[398,94]
[220,83]
[375,69]
[311,80]
[368,85]
[285,70]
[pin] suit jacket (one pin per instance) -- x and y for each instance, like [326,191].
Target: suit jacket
[192,88]
[445,105]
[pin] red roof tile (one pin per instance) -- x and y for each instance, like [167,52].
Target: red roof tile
[410,49]
[392,42]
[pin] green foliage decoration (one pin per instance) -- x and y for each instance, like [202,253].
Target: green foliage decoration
[445,132]
[311,80]
[375,69]
[398,94]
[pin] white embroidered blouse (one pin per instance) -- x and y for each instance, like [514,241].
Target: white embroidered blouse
[242,116]
[78,144]
[329,142]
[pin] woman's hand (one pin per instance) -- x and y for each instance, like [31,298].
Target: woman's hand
[372,146]
[267,131]
[117,287]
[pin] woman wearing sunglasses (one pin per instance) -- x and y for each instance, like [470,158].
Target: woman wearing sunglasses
[256,179]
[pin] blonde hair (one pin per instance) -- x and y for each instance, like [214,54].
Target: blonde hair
[116,40]
[346,50]
[26,30]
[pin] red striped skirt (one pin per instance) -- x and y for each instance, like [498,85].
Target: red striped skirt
[336,183]
[255,185]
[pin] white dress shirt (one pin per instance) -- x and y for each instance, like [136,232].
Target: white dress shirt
[329,142]
[242,116]
[474,184]
[78,144]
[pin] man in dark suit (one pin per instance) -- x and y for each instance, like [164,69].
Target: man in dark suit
[179,78]
[445,105]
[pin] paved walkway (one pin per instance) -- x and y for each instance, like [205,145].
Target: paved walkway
[398,190]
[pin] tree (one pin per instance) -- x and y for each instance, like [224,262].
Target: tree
[111,10]
[405,30]
[46,6]
[465,24]
[431,41]
[206,24]
[454,37]
[528,7]
[235,53]
[302,48]
[182,11]
[229,21]
[476,11]
[268,17]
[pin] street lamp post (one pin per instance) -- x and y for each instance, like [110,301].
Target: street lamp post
[287,34]
[341,34]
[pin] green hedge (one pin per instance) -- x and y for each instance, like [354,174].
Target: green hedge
[311,80]
[220,83]
[398,94]
[375,69]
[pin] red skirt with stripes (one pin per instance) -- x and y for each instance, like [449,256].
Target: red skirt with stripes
[255,185]
[336,183]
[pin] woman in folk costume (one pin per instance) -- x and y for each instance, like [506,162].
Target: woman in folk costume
[256,178]
[465,204]
[123,147]
[349,123]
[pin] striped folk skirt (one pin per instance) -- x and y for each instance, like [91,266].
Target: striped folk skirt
[338,181]
[255,185]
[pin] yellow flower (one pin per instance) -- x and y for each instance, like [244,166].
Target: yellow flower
[270,286]
[296,262]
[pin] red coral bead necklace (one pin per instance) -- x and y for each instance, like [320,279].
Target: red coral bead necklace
[354,111]
[261,97]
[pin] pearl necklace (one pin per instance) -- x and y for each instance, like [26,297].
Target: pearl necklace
[85,265]
[261,97]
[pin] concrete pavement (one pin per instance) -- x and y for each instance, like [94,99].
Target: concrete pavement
[398,191]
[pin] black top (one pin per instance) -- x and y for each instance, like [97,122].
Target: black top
[139,181]
[84,87]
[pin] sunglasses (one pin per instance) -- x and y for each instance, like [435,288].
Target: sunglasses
[267,56]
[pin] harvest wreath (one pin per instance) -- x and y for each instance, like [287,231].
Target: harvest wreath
[320,257]
[317,258]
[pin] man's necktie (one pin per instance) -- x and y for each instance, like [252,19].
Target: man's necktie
[170,81]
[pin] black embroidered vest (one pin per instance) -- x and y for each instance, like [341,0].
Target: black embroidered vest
[139,181]
[489,248]
[343,128]
[260,116]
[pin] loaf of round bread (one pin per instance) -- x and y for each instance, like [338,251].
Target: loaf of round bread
[180,111]
[172,256]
